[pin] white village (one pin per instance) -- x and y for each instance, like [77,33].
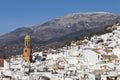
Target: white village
[94,59]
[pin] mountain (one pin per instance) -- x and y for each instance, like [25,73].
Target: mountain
[53,33]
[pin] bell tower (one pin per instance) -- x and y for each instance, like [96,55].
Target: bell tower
[27,49]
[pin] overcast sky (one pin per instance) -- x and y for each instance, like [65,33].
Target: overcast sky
[20,13]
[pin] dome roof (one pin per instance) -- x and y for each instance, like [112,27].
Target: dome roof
[27,37]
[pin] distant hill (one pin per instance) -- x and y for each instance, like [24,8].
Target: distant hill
[56,32]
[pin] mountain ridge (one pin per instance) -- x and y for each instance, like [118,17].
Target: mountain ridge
[50,32]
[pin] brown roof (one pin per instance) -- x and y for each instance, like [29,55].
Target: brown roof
[1,62]
[107,50]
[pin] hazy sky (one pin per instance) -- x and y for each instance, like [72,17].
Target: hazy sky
[20,13]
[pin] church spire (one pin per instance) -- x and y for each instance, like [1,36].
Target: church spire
[27,41]
[27,50]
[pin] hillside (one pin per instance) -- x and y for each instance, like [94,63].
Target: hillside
[57,31]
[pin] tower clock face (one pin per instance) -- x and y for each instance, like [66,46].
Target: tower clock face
[25,50]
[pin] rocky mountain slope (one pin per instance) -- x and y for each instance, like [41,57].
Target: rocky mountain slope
[53,33]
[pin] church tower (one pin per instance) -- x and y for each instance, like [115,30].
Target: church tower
[27,49]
